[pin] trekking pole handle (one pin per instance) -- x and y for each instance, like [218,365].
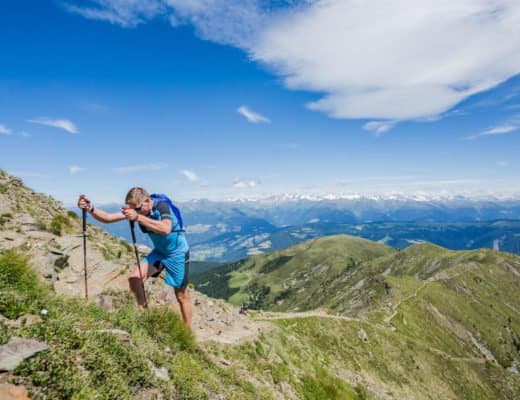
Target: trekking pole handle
[84,197]
[84,213]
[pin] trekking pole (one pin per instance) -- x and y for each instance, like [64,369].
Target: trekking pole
[132,229]
[84,215]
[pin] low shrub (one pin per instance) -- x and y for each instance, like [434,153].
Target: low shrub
[21,290]
[59,224]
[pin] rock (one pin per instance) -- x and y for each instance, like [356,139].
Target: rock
[71,247]
[161,373]
[26,219]
[118,332]
[24,320]
[225,362]
[12,392]
[9,240]
[59,261]
[363,335]
[17,350]
[56,251]
[513,368]
[106,302]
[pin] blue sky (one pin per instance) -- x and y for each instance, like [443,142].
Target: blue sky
[224,99]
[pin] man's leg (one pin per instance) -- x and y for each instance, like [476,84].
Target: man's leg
[135,283]
[183,298]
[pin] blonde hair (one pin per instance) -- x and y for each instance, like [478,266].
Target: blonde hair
[136,195]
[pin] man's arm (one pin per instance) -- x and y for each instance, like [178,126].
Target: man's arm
[162,227]
[85,204]
[105,217]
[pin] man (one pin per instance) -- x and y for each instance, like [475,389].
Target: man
[157,217]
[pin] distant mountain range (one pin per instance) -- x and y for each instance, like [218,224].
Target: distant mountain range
[228,231]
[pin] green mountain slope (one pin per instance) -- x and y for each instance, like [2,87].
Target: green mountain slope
[296,278]
[425,322]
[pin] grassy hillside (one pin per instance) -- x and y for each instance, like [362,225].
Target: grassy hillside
[331,358]
[90,357]
[296,278]
[411,323]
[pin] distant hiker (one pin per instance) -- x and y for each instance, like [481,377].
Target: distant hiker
[161,220]
[243,309]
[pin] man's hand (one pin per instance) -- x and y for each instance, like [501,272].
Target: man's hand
[84,203]
[130,214]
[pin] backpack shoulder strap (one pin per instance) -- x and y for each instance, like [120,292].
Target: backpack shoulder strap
[175,209]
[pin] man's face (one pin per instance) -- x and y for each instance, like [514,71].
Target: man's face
[143,208]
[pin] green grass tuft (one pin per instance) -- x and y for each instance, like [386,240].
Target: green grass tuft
[60,224]
[21,290]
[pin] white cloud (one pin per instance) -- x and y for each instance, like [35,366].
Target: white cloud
[139,168]
[127,13]
[4,130]
[394,60]
[252,116]
[373,59]
[243,184]
[74,169]
[379,127]
[25,134]
[496,130]
[64,124]
[190,175]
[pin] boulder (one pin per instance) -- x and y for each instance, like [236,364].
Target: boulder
[12,392]
[17,350]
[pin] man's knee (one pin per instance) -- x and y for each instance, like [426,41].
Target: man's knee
[182,295]
[135,274]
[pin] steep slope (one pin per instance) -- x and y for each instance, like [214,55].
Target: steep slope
[51,237]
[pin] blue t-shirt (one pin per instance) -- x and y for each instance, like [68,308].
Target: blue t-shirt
[174,242]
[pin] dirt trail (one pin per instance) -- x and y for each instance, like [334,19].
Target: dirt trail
[396,307]
[269,315]
[214,319]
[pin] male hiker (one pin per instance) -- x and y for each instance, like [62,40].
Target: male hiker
[161,220]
